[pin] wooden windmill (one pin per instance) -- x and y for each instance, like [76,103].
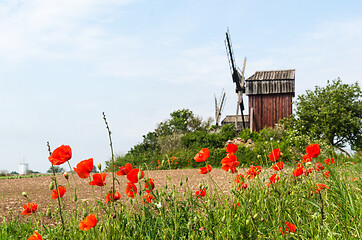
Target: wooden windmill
[238,79]
[219,107]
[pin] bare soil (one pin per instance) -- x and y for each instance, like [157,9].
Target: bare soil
[37,189]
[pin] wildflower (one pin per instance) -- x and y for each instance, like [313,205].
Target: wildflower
[98,179]
[131,190]
[61,190]
[109,196]
[148,198]
[318,166]
[231,148]
[274,178]
[229,163]
[205,169]
[149,183]
[299,170]
[242,185]
[29,208]
[253,171]
[239,178]
[200,193]
[158,205]
[274,155]
[202,155]
[134,175]
[321,186]
[306,158]
[89,222]
[278,166]
[124,170]
[66,176]
[290,227]
[84,168]
[313,150]
[309,170]
[327,174]
[329,161]
[60,155]
[35,236]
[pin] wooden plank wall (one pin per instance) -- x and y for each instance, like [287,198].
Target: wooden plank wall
[268,109]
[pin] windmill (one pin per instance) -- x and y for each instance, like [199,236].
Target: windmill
[238,78]
[219,107]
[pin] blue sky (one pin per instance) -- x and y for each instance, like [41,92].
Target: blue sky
[63,63]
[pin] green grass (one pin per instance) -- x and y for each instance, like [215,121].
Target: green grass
[335,213]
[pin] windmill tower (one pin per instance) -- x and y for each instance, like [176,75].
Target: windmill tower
[219,107]
[238,79]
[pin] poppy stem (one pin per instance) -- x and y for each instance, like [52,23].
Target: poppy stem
[322,207]
[57,189]
[75,188]
[112,162]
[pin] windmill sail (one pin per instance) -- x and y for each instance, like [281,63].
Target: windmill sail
[238,78]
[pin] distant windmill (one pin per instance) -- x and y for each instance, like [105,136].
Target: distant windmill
[219,107]
[238,78]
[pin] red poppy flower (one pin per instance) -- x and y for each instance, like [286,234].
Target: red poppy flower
[318,166]
[60,155]
[278,166]
[89,222]
[309,170]
[202,155]
[200,193]
[253,171]
[125,169]
[29,208]
[299,170]
[321,186]
[149,182]
[205,169]
[148,198]
[306,158]
[327,174]
[61,190]
[242,185]
[231,148]
[313,150]
[133,176]
[274,178]
[274,155]
[131,190]
[35,236]
[99,179]
[109,196]
[290,227]
[229,163]
[84,168]
[239,178]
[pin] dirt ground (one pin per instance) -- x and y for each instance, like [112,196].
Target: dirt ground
[37,188]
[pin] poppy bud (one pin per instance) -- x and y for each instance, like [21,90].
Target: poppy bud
[200,185]
[247,222]
[183,194]
[262,219]
[75,197]
[139,175]
[255,216]
[186,179]
[24,194]
[48,213]
[180,183]
[66,175]
[99,166]
[259,156]
[223,218]
[51,185]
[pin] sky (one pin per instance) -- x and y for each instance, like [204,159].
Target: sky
[63,63]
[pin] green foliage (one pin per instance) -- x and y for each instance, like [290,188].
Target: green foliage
[57,169]
[333,113]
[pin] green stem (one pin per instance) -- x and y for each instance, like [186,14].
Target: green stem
[57,189]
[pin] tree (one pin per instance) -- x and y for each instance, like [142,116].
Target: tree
[57,169]
[333,112]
